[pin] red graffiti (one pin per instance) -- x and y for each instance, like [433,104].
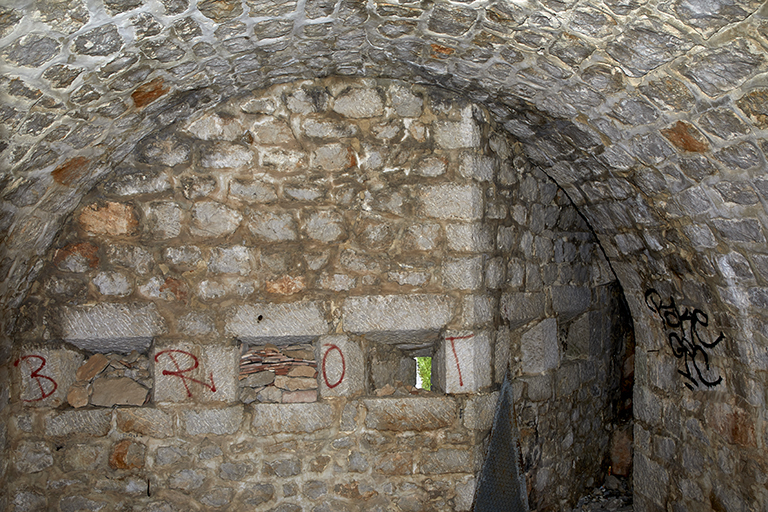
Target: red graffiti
[35,374]
[456,356]
[180,373]
[343,366]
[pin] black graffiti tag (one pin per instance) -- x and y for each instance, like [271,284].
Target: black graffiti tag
[685,339]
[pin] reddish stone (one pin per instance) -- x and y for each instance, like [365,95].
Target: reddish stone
[70,171]
[621,451]
[733,423]
[177,287]
[85,252]
[303,371]
[686,137]
[78,394]
[149,92]
[352,491]
[95,364]
[286,285]
[439,50]
[109,219]
[299,397]
[127,454]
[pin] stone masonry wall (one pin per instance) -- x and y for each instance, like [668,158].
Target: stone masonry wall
[339,227]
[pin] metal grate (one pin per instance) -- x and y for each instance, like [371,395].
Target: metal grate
[501,486]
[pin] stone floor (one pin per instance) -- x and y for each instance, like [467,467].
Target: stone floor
[615,495]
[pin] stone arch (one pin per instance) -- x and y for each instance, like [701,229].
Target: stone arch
[650,118]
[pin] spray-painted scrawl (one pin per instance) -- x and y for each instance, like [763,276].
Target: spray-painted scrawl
[685,340]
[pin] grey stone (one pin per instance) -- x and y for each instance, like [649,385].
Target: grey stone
[646,46]
[79,503]
[100,41]
[447,460]
[634,112]
[252,191]
[109,327]
[146,25]
[167,455]
[32,457]
[273,227]
[234,471]
[213,421]
[325,226]
[457,134]
[655,479]
[145,421]
[213,220]
[196,324]
[359,103]
[540,347]
[396,313]
[217,497]
[668,93]
[225,155]
[737,192]
[297,321]
[521,308]
[454,21]
[164,149]
[187,255]
[84,422]
[133,183]
[720,69]
[452,202]
[473,237]
[746,230]
[479,411]
[187,479]
[723,123]
[742,155]
[26,501]
[85,94]
[32,50]
[113,283]
[163,219]
[463,273]
[230,260]
[403,414]
[334,157]
[61,76]
[287,418]
[342,366]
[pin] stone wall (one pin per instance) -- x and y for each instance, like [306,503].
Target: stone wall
[333,229]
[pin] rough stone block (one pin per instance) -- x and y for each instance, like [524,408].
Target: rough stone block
[452,202]
[225,155]
[237,259]
[90,422]
[291,418]
[110,218]
[402,414]
[145,421]
[463,273]
[473,237]
[341,366]
[54,371]
[652,479]
[521,308]
[578,339]
[163,219]
[540,348]
[569,301]
[109,327]
[211,219]
[325,226]
[294,322]
[220,421]
[462,363]
[479,411]
[359,103]
[187,372]
[273,227]
[114,284]
[394,464]
[479,167]
[457,134]
[32,456]
[397,318]
[477,310]
[447,460]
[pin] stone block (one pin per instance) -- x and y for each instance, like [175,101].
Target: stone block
[219,421]
[325,226]
[359,104]
[111,391]
[652,479]
[578,340]
[226,155]
[478,167]
[462,363]
[452,202]
[480,410]
[252,191]
[163,219]
[186,372]
[474,237]
[522,308]
[291,418]
[463,273]
[501,357]
[403,414]
[46,375]
[273,227]
[236,259]
[457,134]
[569,301]
[447,460]
[114,284]
[110,327]
[540,348]
[211,219]
[394,464]
[145,421]
[341,366]
[83,422]
[477,310]
[213,126]
[397,318]
[32,457]
[292,322]
[145,182]
[187,480]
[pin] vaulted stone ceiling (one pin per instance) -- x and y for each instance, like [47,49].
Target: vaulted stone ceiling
[652,116]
